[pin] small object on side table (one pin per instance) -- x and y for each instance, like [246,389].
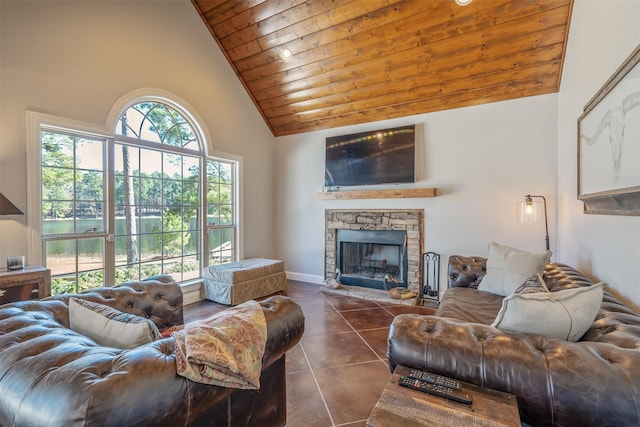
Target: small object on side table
[30,282]
[402,406]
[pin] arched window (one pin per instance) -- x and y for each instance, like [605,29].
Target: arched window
[141,200]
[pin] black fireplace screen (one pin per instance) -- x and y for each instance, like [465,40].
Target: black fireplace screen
[366,257]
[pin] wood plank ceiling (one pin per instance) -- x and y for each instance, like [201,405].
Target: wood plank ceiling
[358,61]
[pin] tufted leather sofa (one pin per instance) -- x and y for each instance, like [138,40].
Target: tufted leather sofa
[53,376]
[592,382]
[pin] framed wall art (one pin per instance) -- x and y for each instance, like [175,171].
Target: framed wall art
[609,144]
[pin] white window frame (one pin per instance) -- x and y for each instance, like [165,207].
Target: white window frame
[36,122]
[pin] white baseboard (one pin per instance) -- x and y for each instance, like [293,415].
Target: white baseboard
[303,277]
[191,293]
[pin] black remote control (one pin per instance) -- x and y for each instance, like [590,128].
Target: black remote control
[435,379]
[437,390]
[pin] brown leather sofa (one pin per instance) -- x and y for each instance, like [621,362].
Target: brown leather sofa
[592,382]
[53,376]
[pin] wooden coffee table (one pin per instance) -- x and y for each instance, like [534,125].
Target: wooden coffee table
[401,406]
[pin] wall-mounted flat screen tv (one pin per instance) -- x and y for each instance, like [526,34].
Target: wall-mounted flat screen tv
[384,156]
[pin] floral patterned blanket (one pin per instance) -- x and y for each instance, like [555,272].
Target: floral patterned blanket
[226,349]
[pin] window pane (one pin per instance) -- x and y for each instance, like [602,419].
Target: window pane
[127,160]
[58,218]
[150,224]
[89,185]
[150,162]
[172,193]
[61,256]
[191,243]
[172,165]
[150,269]
[126,190]
[226,217]
[190,268]
[226,172]
[85,223]
[172,244]
[221,247]
[57,149]
[126,222]
[89,154]
[90,279]
[126,273]
[151,247]
[191,193]
[150,191]
[57,184]
[130,123]
[63,284]
[190,168]
[127,249]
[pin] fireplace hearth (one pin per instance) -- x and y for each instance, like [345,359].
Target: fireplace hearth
[368,245]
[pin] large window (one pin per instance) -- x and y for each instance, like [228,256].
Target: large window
[141,201]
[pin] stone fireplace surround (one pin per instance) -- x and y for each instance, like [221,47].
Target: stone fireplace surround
[409,220]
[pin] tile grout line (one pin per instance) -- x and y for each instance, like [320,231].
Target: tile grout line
[315,380]
[357,333]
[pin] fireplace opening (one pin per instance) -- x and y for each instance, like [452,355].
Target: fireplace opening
[366,258]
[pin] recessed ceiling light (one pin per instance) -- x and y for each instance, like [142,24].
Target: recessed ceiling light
[285,54]
[463,2]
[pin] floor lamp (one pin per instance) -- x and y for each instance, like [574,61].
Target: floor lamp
[528,213]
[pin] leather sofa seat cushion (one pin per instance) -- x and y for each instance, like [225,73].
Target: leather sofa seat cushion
[110,327]
[469,305]
[564,315]
[508,268]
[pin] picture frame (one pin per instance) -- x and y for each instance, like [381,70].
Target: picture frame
[609,144]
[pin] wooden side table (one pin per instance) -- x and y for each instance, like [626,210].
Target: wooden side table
[31,282]
[403,407]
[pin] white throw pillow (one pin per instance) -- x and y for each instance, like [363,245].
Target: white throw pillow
[110,327]
[508,268]
[564,315]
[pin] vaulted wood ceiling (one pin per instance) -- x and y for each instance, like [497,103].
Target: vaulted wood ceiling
[357,61]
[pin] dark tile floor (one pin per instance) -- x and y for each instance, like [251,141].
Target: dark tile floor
[336,373]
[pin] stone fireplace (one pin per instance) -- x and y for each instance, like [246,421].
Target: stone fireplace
[370,244]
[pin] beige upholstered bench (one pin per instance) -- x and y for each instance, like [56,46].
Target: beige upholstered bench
[240,281]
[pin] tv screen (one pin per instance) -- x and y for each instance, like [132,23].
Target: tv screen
[384,156]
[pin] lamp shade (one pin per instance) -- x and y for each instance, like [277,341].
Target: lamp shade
[8,208]
[528,212]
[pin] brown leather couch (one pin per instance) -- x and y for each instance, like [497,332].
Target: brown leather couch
[592,382]
[53,376]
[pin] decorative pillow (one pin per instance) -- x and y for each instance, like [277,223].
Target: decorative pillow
[110,327]
[508,268]
[533,285]
[564,315]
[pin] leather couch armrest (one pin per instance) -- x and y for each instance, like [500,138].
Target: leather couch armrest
[466,271]
[543,373]
[285,326]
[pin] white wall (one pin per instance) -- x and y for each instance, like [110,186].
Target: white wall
[75,59]
[602,35]
[481,159]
